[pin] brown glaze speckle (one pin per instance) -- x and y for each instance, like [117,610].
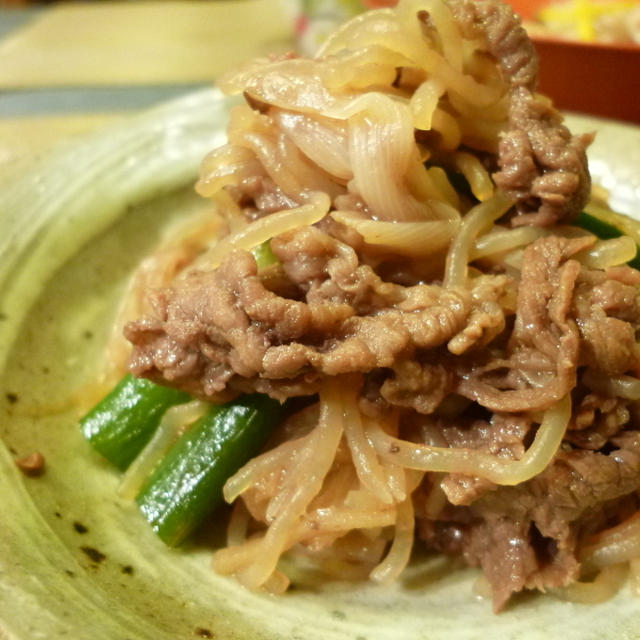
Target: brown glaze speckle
[93,554]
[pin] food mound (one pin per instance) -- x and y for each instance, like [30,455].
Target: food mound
[464,357]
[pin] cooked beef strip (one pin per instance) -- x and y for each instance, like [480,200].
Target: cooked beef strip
[503,436]
[504,36]
[260,196]
[541,164]
[596,419]
[503,530]
[416,385]
[608,317]
[544,334]
[214,326]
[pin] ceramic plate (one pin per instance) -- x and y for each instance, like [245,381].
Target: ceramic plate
[78,562]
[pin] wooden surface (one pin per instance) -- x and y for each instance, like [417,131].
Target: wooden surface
[111,43]
[69,68]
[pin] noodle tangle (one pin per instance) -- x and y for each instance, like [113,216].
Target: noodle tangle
[460,346]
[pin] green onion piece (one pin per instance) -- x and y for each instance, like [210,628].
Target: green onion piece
[122,423]
[598,227]
[173,424]
[264,255]
[186,487]
[604,230]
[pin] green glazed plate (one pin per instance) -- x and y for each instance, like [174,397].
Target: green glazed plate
[78,562]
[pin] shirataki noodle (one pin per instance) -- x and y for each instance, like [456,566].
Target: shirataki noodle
[385,158]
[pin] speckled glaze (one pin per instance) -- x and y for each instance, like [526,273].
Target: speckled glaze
[78,562]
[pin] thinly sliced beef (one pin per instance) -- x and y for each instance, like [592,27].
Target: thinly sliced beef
[418,386]
[503,436]
[596,419]
[225,327]
[544,345]
[524,537]
[504,36]
[608,317]
[540,163]
[260,196]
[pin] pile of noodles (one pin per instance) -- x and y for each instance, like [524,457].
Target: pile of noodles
[387,114]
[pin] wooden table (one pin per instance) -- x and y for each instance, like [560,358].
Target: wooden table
[70,68]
